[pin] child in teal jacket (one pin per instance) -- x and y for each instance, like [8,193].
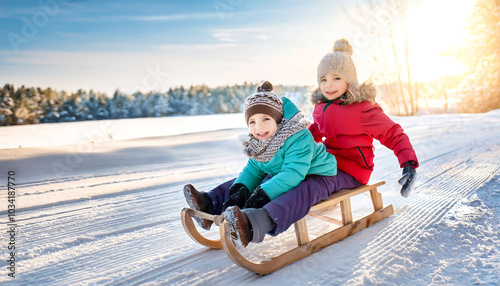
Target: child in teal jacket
[297,154]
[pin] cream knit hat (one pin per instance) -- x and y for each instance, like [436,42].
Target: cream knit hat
[339,62]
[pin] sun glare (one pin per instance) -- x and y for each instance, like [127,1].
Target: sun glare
[433,28]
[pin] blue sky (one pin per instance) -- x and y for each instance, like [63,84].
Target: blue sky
[135,25]
[154,45]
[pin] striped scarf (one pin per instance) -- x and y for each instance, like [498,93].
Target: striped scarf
[264,151]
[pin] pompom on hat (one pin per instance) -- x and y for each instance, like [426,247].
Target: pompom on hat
[339,62]
[264,101]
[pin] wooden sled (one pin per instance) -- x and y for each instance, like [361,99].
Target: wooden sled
[305,246]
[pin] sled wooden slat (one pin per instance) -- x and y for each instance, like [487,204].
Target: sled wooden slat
[345,209]
[301,231]
[325,218]
[376,199]
[341,195]
[190,228]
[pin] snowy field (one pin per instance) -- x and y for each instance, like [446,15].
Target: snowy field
[99,203]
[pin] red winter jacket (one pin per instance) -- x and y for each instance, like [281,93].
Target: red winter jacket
[348,132]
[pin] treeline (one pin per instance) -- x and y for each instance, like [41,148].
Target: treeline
[30,105]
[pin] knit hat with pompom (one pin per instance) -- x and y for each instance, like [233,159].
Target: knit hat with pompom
[339,62]
[264,101]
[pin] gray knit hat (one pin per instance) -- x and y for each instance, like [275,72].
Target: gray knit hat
[264,101]
[339,62]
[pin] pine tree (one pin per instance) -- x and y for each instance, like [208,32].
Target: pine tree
[82,106]
[138,106]
[52,106]
[119,106]
[6,105]
[27,109]
[69,111]
[161,105]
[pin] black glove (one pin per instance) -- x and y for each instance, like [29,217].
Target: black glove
[238,195]
[408,179]
[258,199]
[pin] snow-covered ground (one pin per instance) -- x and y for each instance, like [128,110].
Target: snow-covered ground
[108,212]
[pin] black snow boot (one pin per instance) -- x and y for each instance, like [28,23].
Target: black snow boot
[199,201]
[248,225]
[240,227]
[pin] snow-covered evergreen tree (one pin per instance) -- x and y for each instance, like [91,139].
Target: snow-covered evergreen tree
[119,106]
[137,109]
[69,110]
[6,105]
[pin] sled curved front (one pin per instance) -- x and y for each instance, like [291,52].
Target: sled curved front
[190,228]
[260,267]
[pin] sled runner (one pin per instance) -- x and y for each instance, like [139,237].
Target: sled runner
[305,246]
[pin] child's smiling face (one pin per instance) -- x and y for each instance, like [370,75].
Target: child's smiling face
[333,86]
[262,126]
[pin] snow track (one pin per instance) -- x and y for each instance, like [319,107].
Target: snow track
[405,232]
[114,218]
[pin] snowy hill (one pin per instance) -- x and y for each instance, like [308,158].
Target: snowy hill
[108,212]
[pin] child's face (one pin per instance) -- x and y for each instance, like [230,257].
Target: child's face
[332,86]
[262,126]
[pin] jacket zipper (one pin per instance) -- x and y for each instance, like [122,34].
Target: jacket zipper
[363,157]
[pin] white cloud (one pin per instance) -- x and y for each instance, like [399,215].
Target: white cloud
[244,35]
[174,17]
[225,37]
[183,47]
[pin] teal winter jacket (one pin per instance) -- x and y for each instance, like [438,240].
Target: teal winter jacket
[299,156]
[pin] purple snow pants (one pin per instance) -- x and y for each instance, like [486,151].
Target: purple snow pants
[294,204]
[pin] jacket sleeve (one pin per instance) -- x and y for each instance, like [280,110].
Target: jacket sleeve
[318,136]
[390,134]
[296,164]
[251,176]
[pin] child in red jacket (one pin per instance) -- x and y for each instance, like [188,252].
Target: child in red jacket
[347,118]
